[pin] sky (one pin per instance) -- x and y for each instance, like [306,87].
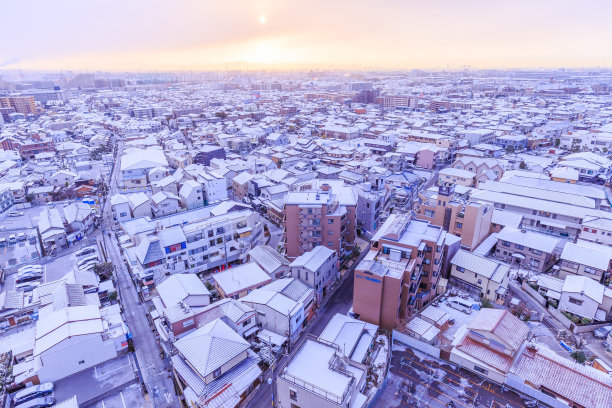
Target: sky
[156,35]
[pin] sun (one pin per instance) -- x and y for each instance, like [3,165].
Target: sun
[262,19]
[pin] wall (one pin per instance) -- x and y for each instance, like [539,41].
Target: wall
[518,384]
[534,294]
[416,344]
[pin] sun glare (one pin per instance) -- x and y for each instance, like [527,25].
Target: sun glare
[262,19]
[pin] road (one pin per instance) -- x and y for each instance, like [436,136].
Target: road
[154,370]
[339,301]
[276,233]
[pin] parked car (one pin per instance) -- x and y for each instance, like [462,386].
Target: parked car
[15,214]
[33,392]
[12,239]
[85,251]
[21,237]
[602,332]
[87,259]
[27,286]
[40,402]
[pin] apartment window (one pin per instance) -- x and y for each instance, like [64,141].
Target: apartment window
[536,252]
[310,211]
[506,243]
[461,269]
[459,225]
[426,261]
[210,233]
[590,270]
[293,394]
[329,244]
[534,263]
[246,322]
[480,281]
[330,220]
[330,232]
[305,275]
[517,246]
[575,301]
[217,373]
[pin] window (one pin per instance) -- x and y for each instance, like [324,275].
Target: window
[459,225]
[536,252]
[460,269]
[329,244]
[480,370]
[330,220]
[517,246]
[293,394]
[506,243]
[575,301]
[310,211]
[534,263]
[330,232]
[217,373]
[82,362]
[188,323]
[246,322]
[592,271]
[480,281]
[305,275]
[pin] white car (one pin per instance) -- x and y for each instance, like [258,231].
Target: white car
[15,214]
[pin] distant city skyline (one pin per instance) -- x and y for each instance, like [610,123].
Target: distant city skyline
[182,35]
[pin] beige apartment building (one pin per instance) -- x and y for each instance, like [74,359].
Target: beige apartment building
[21,104]
[471,221]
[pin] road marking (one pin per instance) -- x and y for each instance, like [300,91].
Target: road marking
[103,406]
[439,392]
[468,380]
[168,397]
[122,400]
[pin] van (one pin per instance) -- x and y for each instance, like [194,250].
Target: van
[2,242]
[33,392]
[460,304]
[21,237]
[12,239]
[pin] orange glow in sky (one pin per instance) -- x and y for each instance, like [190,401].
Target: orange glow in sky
[394,34]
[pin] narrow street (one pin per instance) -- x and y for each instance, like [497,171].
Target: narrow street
[338,302]
[154,370]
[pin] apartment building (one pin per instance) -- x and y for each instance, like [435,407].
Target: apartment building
[401,272]
[469,220]
[22,104]
[202,240]
[318,374]
[313,218]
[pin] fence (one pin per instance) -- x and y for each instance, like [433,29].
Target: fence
[573,327]
[415,344]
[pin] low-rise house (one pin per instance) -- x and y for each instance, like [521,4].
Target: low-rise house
[191,194]
[584,297]
[238,281]
[183,288]
[559,381]
[526,248]
[479,276]
[120,207]
[353,336]
[51,230]
[215,366]
[164,203]
[273,263]
[585,260]
[456,176]
[140,205]
[489,343]
[318,268]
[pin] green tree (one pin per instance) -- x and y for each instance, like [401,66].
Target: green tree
[104,270]
[523,165]
[557,142]
[579,356]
